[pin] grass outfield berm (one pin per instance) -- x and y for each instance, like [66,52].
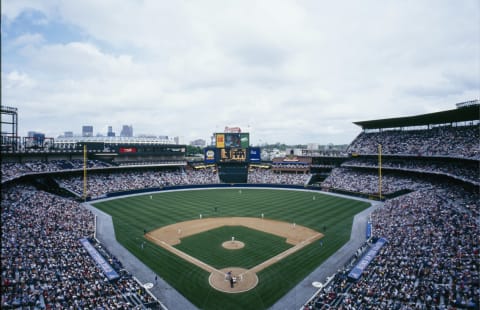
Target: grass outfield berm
[329,215]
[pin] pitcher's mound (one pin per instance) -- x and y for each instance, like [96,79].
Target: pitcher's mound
[244,280]
[233,245]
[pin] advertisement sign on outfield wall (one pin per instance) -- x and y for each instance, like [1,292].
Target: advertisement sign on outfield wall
[209,156]
[254,154]
[127,150]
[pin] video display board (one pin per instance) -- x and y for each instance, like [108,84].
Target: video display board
[232,140]
[220,140]
[229,147]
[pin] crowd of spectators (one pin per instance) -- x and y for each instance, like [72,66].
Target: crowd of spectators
[44,266]
[290,165]
[464,170]
[461,141]
[12,170]
[99,184]
[367,182]
[431,259]
[151,162]
[267,176]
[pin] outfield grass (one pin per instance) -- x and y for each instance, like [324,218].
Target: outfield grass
[332,216]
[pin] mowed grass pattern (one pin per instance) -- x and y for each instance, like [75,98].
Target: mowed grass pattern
[259,247]
[330,215]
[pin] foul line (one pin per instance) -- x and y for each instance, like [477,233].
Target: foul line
[255,269]
[184,255]
[284,254]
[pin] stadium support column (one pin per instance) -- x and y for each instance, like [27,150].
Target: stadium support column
[380,171]
[9,119]
[85,172]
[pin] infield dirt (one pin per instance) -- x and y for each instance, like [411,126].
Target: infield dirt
[297,235]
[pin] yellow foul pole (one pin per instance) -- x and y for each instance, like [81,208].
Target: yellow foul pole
[380,171]
[85,172]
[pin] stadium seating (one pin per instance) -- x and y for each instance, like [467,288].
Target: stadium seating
[465,170]
[431,257]
[461,141]
[99,184]
[13,170]
[430,260]
[267,176]
[44,266]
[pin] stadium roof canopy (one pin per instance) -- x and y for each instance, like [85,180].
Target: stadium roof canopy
[463,114]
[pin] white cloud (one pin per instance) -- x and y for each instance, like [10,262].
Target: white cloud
[17,80]
[297,72]
[28,39]
[77,60]
[12,9]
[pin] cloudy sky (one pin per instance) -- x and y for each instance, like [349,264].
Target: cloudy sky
[286,71]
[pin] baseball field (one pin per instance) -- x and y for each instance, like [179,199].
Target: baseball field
[233,248]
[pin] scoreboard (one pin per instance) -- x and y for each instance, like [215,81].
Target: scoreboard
[231,147]
[233,154]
